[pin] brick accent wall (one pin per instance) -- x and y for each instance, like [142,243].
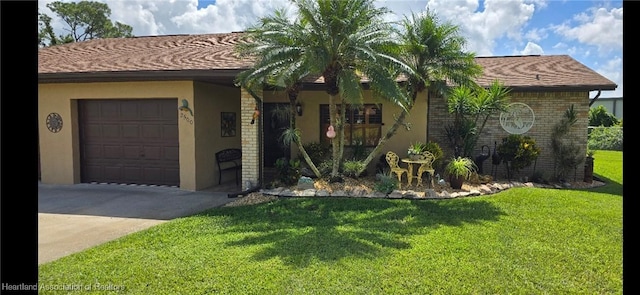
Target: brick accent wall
[548,108]
[251,149]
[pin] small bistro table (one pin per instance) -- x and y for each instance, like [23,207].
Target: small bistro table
[410,163]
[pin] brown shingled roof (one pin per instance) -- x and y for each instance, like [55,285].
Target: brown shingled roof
[213,54]
[541,71]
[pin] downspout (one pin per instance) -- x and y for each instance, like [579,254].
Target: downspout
[595,98]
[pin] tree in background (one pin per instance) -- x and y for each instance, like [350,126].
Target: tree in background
[85,20]
[599,116]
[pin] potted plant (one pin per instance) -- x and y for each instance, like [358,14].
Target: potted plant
[415,150]
[459,169]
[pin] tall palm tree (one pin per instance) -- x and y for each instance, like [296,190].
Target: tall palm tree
[278,64]
[435,55]
[344,41]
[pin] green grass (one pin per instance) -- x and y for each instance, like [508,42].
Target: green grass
[520,241]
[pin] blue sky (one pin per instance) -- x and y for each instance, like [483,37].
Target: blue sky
[589,31]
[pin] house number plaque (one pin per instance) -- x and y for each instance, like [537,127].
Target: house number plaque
[54,122]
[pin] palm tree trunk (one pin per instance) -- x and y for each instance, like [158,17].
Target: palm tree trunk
[334,142]
[343,116]
[374,153]
[308,159]
[292,123]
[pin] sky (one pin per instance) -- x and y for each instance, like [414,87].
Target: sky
[589,31]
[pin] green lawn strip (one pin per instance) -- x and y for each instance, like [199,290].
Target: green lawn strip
[520,241]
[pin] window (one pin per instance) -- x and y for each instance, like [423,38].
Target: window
[364,124]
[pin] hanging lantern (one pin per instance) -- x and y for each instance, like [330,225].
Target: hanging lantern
[330,132]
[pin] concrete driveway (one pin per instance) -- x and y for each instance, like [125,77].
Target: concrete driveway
[72,218]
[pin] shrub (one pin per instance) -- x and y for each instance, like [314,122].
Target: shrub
[287,172]
[386,183]
[351,168]
[318,152]
[325,167]
[437,152]
[605,138]
[518,151]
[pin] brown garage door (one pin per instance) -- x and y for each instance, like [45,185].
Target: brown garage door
[129,141]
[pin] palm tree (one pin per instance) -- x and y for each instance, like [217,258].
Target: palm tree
[435,55]
[278,64]
[472,108]
[344,41]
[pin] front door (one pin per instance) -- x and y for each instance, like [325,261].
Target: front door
[276,121]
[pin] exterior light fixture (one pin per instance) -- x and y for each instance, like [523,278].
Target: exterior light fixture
[299,108]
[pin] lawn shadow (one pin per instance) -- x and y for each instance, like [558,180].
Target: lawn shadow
[299,231]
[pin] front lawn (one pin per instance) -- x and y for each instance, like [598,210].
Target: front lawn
[520,241]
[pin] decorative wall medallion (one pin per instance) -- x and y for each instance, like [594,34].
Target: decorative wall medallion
[54,122]
[184,110]
[517,119]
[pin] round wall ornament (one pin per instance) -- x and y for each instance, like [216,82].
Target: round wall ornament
[54,122]
[517,119]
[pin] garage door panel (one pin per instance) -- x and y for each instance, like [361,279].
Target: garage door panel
[170,132]
[113,151]
[130,131]
[150,110]
[95,171]
[130,141]
[152,153]
[171,153]
[130,112]
[133,174]
[152,132]
[131,152]
[110,130]
[154,174]
[109,109]
[92,151]
[112,173]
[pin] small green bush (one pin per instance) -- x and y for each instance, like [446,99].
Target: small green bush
[518,151]
[318,152]
[325,167]
[386,183]
[351,168]
[287,172]
[605,138]
[437,152]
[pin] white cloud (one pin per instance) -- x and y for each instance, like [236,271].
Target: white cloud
[532,49]
[612,70]
[598,26]
[500,18]
[150,17]
[536,34]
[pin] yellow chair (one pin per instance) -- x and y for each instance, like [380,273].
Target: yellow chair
[427,166]
[392,160]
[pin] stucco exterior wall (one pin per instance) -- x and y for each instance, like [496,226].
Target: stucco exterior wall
[548,108]
[210,101]
[60,152]
[309,122]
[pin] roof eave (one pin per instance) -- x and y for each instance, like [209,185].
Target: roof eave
[568,88]
[122,76]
